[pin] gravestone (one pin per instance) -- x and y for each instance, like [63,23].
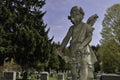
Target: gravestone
[60,76]
[18,75]
[98,76]
[9,75]
[51,74]
[69,76]
[110,77]
[44,76]
[25,75]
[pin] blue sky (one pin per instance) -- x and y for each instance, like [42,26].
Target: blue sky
[58,11]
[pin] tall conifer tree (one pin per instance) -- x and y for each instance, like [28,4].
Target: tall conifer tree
[23,36]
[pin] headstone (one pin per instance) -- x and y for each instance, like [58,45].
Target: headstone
[60,76]
[25,75]
[98,75]
[10,75]
[110,77]
[44,76]
[51,74]
[38,76]
[18,75]
[69,76]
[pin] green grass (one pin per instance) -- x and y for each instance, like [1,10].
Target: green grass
[52,78]
[55,78]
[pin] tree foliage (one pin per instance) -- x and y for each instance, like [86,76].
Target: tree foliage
[96,65]
[111,22]
[22,32]
[59,62]
[54,58]
[109,51]
[109,54]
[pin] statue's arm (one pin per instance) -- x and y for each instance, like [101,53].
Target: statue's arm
[91,20]
[88,37]
[66,39]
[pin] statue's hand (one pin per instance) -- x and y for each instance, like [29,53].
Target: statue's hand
[67,59]
[58,51]
[81,47]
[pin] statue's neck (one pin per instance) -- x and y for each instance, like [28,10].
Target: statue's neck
[77,23]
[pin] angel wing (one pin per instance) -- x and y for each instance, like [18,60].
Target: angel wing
[92,19]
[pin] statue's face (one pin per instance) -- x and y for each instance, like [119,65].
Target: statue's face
[76,17]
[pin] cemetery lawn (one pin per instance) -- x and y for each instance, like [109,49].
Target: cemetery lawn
[55,78]
[52,78]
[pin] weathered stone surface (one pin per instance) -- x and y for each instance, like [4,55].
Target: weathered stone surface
[9,75]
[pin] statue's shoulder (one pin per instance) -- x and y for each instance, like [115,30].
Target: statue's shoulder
[71,27]
[89,27]
[85,25]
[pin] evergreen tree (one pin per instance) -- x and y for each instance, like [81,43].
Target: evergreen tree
[54,59]
[2,44]
[24,31]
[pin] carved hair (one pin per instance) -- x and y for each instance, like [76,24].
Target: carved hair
[76,8]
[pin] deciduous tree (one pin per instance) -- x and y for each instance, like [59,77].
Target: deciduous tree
[111,24]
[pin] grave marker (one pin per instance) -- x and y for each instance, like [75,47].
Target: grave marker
[9,75]
[44,76]
[110,77]
[60,76]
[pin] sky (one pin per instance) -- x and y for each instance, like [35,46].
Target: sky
[58,11]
